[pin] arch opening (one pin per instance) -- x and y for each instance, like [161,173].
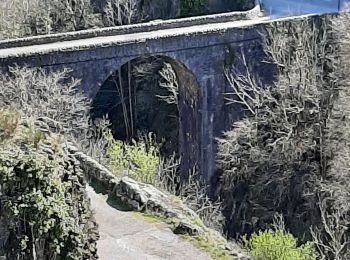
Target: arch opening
[154,94]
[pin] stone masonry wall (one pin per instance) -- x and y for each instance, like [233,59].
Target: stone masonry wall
[134,28]
[203,52]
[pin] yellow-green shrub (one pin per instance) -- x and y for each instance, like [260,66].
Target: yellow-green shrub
[140,159]
[277,245]
[9,120]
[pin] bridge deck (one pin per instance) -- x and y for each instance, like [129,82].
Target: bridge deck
[107,41]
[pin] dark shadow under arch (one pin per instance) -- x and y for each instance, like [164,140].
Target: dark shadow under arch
[140,106]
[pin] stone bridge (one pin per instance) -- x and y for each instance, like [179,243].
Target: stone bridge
[198,48]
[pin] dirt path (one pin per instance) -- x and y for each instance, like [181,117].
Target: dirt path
[124,236]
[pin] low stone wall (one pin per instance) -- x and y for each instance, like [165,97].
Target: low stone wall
[146,198]
[134,28]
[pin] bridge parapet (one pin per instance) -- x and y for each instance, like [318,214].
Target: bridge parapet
[134,28]
[202,51]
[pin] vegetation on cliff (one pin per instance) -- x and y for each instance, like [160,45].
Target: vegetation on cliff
[43,201]
[289,153]
[43,197]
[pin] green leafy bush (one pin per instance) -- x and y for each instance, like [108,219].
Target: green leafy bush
[277,245]
[8,122]
[140,158]
[43,201]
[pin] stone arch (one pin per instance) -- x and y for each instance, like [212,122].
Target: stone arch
[187,109]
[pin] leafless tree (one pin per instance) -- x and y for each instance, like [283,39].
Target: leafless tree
[332,236]
[120,12]
[194,192]
[33,17]
[123,12]
[54,102]
[45,96]
[170,83]
[272,159]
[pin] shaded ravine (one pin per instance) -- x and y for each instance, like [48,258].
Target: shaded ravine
[125,236]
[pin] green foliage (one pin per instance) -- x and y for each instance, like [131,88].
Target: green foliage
[42,207]
[42,200]
[277,245]
[140,158]
[8,122]
[209,245]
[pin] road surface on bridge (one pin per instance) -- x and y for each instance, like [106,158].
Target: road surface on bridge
[284,8]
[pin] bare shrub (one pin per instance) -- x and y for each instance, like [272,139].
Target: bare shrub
[120,12]
[194,192]
[271,160]
[291,152]
[54,102]
[332,236]
[96,139]
[168,174]
[170,83]
[52,98]
[20,18]
[13,15]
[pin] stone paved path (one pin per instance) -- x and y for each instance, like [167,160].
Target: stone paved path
[124,236]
